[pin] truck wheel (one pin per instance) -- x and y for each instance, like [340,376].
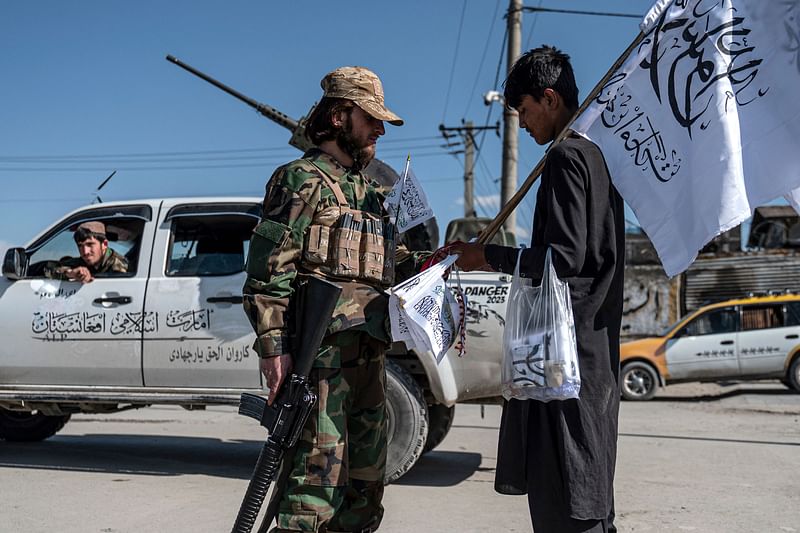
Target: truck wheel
[440,420]
[407,421]
[793,378]
[20,426]
[639,381]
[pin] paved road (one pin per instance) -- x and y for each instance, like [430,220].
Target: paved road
[698,458]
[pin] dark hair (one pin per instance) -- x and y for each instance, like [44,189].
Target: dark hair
[83,234]
[320,126]
[542,68]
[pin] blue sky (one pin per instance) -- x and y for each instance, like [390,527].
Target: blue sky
[86,90]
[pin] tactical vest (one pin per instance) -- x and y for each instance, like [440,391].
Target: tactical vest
[345,243]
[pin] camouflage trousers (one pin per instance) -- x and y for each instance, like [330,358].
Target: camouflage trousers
[336,482]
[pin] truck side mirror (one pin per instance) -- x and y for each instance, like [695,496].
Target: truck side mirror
[15,263]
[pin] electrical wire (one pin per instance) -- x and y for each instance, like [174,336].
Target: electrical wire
[479,145]
[455,57]
[7,158]
[471,93]
[477,206]
[533,26]
[486,183]
[178,167]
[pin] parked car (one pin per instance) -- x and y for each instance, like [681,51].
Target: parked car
[742,339]
[172,331]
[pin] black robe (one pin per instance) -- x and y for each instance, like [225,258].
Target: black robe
[563,453]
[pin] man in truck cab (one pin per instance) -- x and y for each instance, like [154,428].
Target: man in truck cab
[95,256]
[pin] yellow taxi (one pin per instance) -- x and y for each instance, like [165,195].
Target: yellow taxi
[749,338]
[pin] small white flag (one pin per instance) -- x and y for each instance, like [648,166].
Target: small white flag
[406,202]
[700,124]
[424,312]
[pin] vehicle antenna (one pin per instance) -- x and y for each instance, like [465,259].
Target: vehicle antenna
[97,199]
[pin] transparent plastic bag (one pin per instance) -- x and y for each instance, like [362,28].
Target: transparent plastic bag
[540,354]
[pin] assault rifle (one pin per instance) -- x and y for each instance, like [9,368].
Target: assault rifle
[314,302]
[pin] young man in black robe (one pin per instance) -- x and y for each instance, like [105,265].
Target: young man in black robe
[563,453]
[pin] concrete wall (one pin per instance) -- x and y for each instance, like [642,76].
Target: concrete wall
[650,301]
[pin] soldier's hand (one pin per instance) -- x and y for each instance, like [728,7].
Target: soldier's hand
[275,370]
[81,274]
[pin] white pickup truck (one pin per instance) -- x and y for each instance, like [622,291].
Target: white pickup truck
[172,330]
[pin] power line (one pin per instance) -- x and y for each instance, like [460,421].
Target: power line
[455,57]
[579,12]
[484,182]
[477,205]
[138,169]
[483,58]
[533,26]
[479,146]
[145,154]
[162,168]
[194,152]
[69,160]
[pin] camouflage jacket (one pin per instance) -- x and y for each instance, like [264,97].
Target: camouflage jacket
[294,194]
[111,262]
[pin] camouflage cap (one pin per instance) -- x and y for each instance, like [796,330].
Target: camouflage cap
[95,227]
[363,87]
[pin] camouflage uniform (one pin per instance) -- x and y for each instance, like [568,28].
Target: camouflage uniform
[111,262]
[337,477]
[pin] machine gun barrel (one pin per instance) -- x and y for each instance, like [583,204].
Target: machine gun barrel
[268,111]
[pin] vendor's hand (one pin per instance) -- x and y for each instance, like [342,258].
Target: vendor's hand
[275,370]
[81,274]
[471,256]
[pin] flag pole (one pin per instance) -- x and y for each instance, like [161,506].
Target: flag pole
[494,226]
[402,185]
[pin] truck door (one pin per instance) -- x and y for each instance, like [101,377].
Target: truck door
[58,332]
[204,338]
[705,347]
[764,341]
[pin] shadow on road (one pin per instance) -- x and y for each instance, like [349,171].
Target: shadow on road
[135,454]
[442,469]
[723,395]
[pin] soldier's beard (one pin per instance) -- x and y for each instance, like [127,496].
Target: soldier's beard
[361,155]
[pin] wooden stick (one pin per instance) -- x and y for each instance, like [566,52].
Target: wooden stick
[494,226]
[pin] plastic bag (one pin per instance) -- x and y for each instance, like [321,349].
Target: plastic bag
[540,353]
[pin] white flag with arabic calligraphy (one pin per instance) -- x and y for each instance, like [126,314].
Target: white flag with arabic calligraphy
[701,123]
[407,201]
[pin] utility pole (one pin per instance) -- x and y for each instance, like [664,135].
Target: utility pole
[508,181]
[467,135]
[469,170]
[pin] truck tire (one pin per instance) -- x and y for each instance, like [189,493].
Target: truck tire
[407,421]
[638,381]
[21,426]
[440,420]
